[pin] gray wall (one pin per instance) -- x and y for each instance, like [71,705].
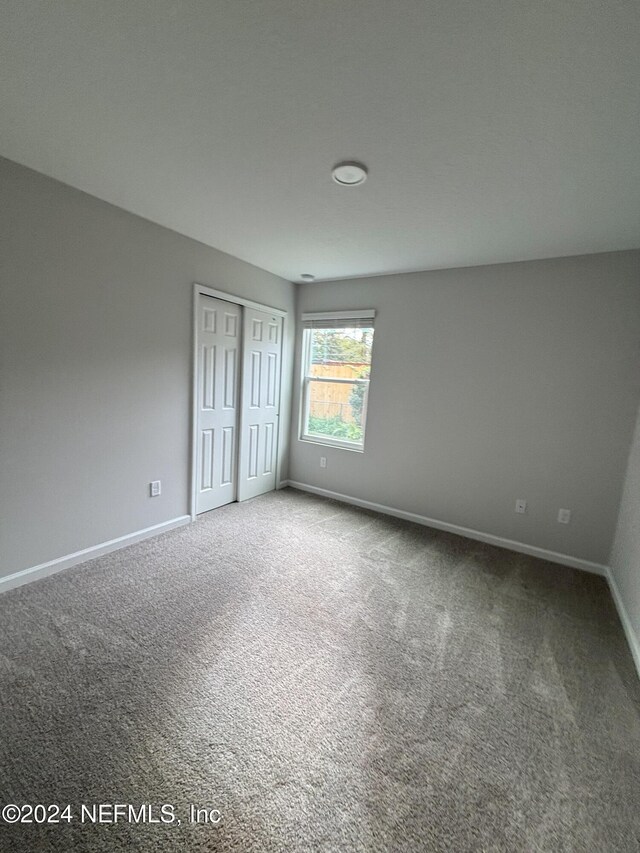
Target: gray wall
[95,366]
[490,384]
[625,554]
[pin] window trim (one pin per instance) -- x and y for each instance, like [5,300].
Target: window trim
[340,318]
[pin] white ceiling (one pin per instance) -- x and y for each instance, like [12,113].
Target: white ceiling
[493,131]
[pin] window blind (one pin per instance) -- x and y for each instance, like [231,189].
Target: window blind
[339,320]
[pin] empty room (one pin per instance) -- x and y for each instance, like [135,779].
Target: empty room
[319,426]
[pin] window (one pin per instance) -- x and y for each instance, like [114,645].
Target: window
[336,365]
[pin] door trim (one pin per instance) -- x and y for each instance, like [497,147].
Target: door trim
[204,290]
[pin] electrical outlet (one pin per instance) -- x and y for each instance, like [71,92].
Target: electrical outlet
[564,516]
[521,505]
[323,461]
[155,488]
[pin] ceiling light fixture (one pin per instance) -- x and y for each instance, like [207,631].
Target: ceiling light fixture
[349,174]
[306,276]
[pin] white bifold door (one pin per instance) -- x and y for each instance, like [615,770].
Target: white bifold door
[238,396]
[218,384]
[262,350]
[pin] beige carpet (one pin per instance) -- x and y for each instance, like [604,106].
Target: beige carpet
[329,680]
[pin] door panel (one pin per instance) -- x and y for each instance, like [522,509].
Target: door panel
[262,354]
[217,411]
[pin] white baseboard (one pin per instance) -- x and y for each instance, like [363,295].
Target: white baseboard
[632,638]
[53,566]
[489,538]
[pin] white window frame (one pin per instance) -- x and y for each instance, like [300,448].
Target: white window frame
[339,317]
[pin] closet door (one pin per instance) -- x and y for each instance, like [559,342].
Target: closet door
[260,408]
[218,339]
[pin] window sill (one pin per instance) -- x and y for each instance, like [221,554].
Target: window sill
[336,444]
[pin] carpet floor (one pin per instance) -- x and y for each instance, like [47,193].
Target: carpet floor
[319,678]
